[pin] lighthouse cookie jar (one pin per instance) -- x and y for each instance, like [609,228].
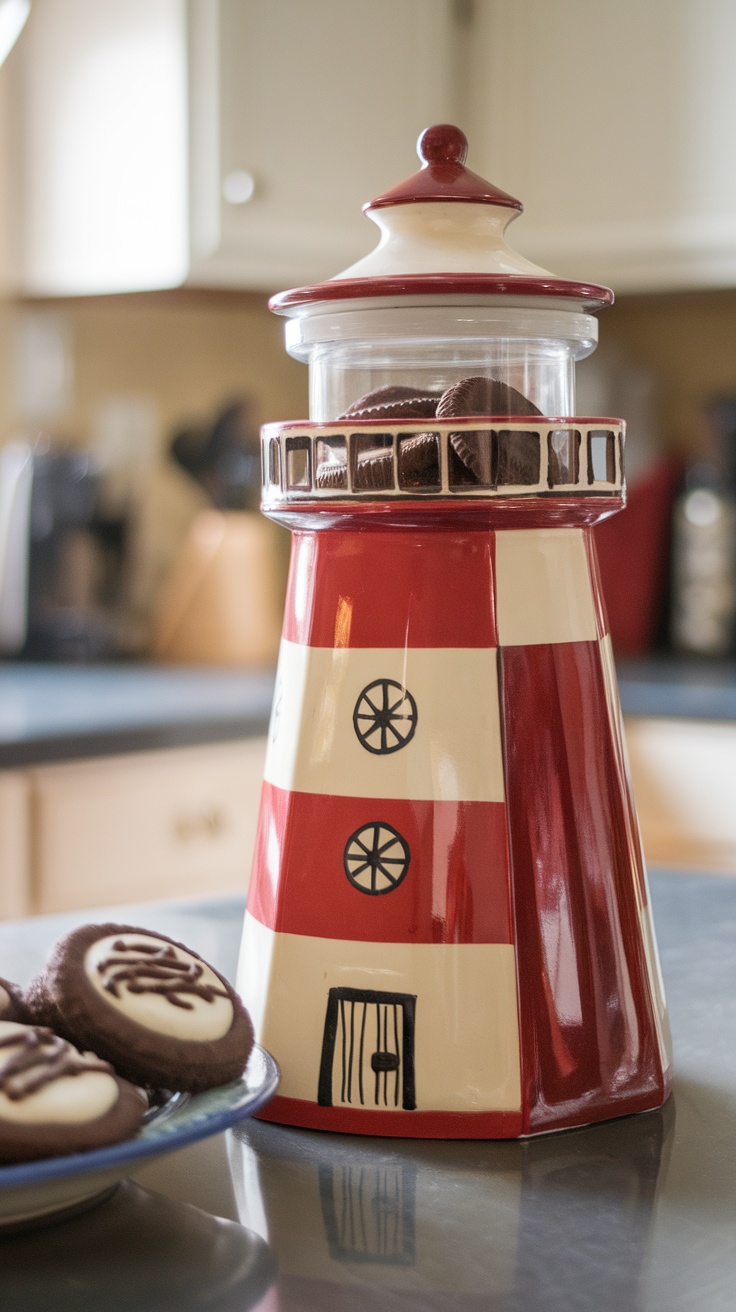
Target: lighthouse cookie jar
[448,931]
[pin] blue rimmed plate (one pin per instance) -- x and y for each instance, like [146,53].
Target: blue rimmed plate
[30,1191]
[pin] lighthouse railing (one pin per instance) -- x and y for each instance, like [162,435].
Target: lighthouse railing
[470,457]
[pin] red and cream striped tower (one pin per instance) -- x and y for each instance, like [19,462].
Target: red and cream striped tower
[448,931]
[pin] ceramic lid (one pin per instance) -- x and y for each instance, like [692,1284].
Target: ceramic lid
[442,233]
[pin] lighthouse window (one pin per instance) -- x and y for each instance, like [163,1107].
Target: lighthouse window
[419,462]
[518,457]
[274,463]
[298,459]
[601,456]
[385,717]
[470,459]
[563,447]
[332,462]
[376,858]
[373,462]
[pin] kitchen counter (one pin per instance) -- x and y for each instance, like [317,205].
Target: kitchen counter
[66,712]
[677,688]
[637,1215]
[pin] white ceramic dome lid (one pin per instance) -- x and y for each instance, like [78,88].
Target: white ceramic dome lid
[442,232]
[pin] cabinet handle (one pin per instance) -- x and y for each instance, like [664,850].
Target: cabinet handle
[238,187]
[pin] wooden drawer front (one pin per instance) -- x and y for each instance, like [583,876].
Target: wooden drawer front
[15,831]
[150,825]
[684,776]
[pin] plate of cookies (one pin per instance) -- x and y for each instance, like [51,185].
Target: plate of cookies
[126,1046]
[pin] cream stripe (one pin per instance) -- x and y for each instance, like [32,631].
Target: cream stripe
[543,587]
[467,1033]
[651,953]
[454,754]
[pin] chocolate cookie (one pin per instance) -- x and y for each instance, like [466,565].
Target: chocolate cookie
[481,396]
[332,474]
[12,1006]
[148,1004]
[418,465]
[419,461]
[393,402]
[55,1100]
[374,470]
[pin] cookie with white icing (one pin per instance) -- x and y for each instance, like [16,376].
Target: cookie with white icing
[55,1100]
[12,1005]
[146,1003]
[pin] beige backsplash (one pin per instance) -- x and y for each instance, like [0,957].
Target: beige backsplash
[688,341]
[186,351]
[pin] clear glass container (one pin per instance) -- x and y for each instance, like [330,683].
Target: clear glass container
[431,345]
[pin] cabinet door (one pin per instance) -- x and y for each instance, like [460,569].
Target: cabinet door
[614,123]
[15,833]
[98,92]
[149,825]
[320,103]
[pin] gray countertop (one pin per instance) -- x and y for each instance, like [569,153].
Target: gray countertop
[62,712]
[55,713]
[678,688]
[637,1215]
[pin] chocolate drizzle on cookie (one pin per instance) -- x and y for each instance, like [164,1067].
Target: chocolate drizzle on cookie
[156,970]
[41,1058]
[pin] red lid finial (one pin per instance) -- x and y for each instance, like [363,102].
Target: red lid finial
[443,176]
[442,144]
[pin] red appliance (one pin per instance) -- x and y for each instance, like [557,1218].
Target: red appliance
[448,930]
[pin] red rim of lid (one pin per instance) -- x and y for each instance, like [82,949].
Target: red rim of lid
[594,296]
[443,150]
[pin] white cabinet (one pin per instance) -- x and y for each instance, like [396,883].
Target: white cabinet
[143,826]
[232,142]
[684,773]
[615,124]
[319,104]
[15,844]
[139,123]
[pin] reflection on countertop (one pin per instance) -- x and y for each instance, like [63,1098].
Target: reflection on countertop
[455,1225]
[136,1252]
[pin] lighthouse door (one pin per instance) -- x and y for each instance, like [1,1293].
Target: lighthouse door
[368,1050]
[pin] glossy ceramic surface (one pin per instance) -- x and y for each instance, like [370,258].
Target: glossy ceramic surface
[448,930]
[58,1185]
[137,1251]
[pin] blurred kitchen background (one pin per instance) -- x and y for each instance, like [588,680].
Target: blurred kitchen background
[165,165]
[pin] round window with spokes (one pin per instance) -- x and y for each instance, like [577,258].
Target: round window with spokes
[376,858]
[385,717]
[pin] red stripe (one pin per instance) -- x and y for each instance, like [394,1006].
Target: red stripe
[589,1041]
[398,1125]
[456,889]
[391,588]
